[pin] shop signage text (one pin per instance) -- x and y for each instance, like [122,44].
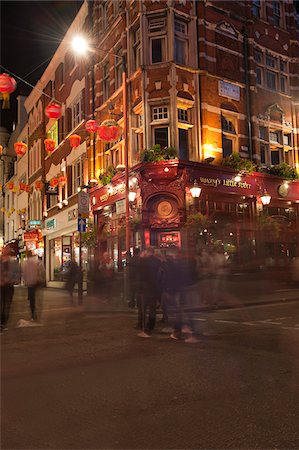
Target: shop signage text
[228,182]
[34,223]
[31,236]
[51,224]
[113,191]
[229,90]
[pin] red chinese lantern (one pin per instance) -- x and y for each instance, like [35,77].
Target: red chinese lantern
[22,186]
[39,185]
[53,111]
[62,179]
[75,140]
[20,148]
[50,145]
[1,149]
[10,185]
[7,86]
[109,131]
[91,126]
[54,182]
[28,188]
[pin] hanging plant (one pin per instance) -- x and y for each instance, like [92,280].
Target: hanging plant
[234,161]
[107,176]
[268,224]
[157,153]
[284,170]
[89,238]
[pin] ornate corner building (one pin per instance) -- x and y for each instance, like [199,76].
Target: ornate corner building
[209,78]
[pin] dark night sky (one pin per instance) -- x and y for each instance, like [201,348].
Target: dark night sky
[30,33]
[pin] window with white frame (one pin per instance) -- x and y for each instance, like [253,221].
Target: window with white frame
[157,36]
[35,157]
[256,8]
[271,71]
[180,41]
[264,150]
[136,49]
[161,136]
[263,133]
[276,13]
[229,134]
[159,113]
[77,111]
[77,177]
[118,69]
[106,81]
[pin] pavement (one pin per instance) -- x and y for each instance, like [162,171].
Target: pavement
[234,291]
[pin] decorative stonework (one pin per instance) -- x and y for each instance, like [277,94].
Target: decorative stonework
[227,28]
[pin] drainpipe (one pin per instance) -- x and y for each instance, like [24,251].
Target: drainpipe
[247,93]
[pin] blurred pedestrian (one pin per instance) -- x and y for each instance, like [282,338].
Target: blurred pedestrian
[9,276]
[71,277]
[106,268]
[134,278]
[169,284]
[150,286]
[33,276]
[186,276]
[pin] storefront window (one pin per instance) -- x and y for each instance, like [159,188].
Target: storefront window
[55,259]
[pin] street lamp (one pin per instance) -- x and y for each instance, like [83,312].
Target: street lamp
[84,46]
[195,190]
[266,198]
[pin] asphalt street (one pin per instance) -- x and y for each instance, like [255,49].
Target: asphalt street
[86,381]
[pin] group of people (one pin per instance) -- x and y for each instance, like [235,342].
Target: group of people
[161,280]
[11,272]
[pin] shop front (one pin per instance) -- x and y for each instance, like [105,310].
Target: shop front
[62,246]
[232,211]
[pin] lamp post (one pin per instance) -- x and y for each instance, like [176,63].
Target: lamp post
[81,46]
[195,192]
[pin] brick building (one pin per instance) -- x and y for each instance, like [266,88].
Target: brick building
[208,78]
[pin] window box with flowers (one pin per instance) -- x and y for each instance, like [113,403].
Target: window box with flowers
[157,153]
[106,177]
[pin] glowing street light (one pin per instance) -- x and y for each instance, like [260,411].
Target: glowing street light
[266,198]
[195,190]
[79,45]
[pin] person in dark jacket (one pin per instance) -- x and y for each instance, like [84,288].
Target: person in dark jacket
[134,279]
[9,276]
[150,286]
[186,276]
[72,277]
